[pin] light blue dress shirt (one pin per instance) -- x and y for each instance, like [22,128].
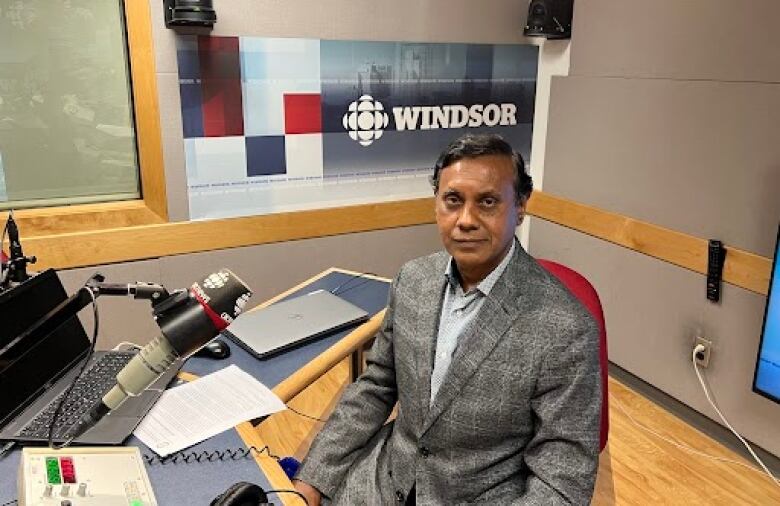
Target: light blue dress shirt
[457,312]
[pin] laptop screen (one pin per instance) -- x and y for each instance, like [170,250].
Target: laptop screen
[29,365]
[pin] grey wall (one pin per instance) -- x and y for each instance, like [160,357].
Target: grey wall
[269,269]
[718,40]
[671,114]
[701,157]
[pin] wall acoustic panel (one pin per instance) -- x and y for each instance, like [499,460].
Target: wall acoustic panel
[121,318]
[691,39]
[273,268]
[699,157]
[653,311]
[269,269]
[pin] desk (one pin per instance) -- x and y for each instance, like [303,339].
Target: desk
[287,374]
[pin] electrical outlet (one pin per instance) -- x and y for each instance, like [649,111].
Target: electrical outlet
[703,357]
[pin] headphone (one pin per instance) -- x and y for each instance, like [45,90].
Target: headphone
[244,493]
[241,494]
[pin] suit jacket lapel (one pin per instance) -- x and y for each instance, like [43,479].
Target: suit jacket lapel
[501,307]
[427,329]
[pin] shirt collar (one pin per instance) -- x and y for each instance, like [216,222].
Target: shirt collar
[484,286]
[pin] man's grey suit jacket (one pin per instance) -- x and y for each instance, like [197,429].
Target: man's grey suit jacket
[516,420]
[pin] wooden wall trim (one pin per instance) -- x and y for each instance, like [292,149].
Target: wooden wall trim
[79,249]
[742,268]
[146,106]
[83,217]
[151,241]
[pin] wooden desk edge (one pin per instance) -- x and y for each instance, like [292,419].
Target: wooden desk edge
[308,374]
[298,382]
[301,379]
[321,364]
[269,465]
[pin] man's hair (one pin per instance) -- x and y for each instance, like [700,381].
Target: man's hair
[473,146]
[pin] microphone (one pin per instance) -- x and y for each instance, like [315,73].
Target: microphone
[15,245]
[16,262]
[188,320]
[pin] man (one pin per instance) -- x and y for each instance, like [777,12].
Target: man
[493,364]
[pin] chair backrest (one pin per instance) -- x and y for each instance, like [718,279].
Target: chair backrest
[584,291]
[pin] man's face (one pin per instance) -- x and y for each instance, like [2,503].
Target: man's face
[476,211]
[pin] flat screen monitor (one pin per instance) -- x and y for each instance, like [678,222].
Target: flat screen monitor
[767,378]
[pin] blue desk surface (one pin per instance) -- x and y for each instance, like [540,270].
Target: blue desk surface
[199,483]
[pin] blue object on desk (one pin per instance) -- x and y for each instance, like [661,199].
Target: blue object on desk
[290,466]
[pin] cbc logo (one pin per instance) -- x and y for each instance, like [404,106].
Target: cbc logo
[216,280]
[365,120]
[241,303]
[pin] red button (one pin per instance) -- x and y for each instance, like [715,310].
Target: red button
[68,470]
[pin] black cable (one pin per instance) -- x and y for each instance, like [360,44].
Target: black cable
[75,380]
[356,286]
[303,497]
[305,415]
[7,447]
[205,456]
[350,280]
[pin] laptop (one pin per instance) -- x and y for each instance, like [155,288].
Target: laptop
[36,370]
[292,322]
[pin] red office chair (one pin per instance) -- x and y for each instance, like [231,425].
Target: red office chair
[584,291]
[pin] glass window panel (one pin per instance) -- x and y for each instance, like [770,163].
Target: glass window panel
[66,121]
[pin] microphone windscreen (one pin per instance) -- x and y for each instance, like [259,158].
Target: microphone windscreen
[223,296]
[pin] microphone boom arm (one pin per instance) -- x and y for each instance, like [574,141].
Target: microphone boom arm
[188,319]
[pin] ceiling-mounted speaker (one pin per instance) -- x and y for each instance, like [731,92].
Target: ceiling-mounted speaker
[189,13]
[550,19]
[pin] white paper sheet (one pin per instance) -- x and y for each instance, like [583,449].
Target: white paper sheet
[191,413]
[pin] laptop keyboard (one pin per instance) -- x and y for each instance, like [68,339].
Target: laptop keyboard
[92,385]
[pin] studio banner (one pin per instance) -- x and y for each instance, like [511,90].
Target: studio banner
[274,125]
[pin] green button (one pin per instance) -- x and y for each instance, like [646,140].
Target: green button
[53,471]
[136,502]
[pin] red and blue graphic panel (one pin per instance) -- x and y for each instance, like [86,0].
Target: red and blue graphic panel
[287,124]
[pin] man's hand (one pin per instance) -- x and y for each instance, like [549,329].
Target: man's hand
[312,495]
